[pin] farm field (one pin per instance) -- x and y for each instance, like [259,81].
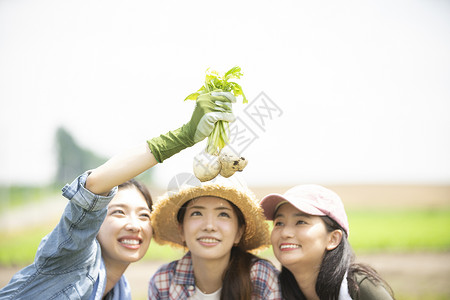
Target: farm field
[403,231]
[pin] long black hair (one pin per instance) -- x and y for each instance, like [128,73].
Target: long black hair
[335,264]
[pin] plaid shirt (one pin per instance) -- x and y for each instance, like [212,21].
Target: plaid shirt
[176,280]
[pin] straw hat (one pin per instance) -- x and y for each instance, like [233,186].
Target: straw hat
[165,210]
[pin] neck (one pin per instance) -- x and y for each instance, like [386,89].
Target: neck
[209,273]
[306,279]
[114,271]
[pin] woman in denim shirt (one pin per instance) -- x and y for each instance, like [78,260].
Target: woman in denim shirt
[102,230]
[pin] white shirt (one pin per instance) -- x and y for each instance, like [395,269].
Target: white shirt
[199,295]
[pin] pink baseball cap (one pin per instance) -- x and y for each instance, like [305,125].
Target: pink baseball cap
[311,199]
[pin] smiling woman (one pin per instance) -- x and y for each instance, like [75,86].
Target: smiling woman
[104,228]
[220,224]
[309,239]
[126,232]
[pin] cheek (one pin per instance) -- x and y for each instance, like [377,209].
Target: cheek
[274,237]
[229,227]
[189,227]
[148,229]
[106,228]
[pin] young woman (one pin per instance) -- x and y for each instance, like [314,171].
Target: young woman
[310,240]
[218,223]
[104,228]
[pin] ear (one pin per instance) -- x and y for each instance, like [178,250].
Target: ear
[335,238]
[181,231]
[239,235]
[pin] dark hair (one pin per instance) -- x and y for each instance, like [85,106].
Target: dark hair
[141,188]
[236,282]
[334,265]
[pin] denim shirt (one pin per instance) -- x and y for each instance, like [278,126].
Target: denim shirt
[68,262]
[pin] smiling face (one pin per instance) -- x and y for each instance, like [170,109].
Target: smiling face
[210,228]
[126,231]
[300,240]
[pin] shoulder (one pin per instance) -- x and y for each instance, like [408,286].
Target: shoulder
[262,267]
[165,274]
[370,289]
[172,279]
[165,270]
[264,276]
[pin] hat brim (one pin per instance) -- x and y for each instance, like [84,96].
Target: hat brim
[166,226]
[271,202]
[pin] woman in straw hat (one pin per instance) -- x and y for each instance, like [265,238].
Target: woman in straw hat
[310,240]
[104,228]
[219,223]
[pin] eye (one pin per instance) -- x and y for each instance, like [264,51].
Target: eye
[195,213]
[224,214]
[145,215]
[278,223]
[300,222]
[117,212]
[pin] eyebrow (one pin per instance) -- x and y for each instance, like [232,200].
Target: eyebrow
[298,214]
[126,206]
[202,207]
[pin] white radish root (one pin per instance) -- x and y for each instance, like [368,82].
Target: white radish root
[231,163]
[206,166]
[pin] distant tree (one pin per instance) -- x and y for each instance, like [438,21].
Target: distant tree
[74,160]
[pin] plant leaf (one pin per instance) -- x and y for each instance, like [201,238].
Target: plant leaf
[214,81]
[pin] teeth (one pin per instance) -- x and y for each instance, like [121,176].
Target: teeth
[291,246]
[208,240]
[130,242]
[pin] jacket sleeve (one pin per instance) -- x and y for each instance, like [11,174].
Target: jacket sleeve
[371,291]
[72,241]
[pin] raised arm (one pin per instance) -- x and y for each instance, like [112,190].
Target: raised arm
[209,109]
[120,168]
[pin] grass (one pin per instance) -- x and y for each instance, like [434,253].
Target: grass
[16,196]
[396,231]
[371,231]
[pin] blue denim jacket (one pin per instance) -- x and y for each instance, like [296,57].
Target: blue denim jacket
[68,262]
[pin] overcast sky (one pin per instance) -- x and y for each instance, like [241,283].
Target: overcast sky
[359,90]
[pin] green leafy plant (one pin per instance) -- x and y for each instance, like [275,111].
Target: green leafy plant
[215,81]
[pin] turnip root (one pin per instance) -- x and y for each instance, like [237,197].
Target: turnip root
[206,166]
[231,163]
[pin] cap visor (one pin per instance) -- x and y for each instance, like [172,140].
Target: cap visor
[270,203]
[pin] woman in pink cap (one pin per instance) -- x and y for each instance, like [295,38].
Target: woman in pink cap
[310,240]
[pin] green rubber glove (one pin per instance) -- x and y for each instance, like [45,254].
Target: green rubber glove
[209,109]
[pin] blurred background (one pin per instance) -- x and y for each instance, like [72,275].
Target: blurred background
[353,96]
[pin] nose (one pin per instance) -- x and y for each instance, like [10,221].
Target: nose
[210,224]
[287,232]
[132,225]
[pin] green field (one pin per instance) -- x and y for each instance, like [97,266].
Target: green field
[370,231]
[409,230]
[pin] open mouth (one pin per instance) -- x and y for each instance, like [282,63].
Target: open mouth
[208,241]
[287,247]
[130,243]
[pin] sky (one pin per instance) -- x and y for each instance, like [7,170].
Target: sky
[339,92]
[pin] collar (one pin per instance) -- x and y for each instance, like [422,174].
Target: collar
[343,291]
[184,271]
